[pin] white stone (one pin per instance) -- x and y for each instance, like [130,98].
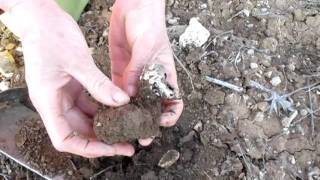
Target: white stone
[250,52]
[195,34]
[254,65]
[275,81]
[268,74]
[259,117]
[303,112]
[4,85]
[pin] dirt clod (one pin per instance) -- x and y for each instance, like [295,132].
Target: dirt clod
[140,118]
[33,142]
[125,123]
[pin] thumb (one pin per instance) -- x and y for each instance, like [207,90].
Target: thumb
[131,77]
[100,86]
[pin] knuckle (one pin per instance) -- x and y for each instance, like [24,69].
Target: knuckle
[98,83]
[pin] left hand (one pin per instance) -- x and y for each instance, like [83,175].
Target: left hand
[137,37]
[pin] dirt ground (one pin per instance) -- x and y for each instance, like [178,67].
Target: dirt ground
[271,48]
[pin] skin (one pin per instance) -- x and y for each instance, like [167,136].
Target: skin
[59,68]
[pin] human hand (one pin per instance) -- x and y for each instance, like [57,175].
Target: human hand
[58,64]
[137,37]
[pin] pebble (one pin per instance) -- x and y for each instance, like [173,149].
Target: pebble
[150,175]
[268,74]
[291,67]
[195,34]
[198,127]
[259,117]
[254,65]
[250,52]
[70,173]
[86,172]
[299,15]
[303,112]
[318,43]
[214,97]
[275,81]
[270,43]
[169,158]
[263,106]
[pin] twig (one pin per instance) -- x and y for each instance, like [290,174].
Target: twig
[311,108]
[214,40]
[185,70]
[244,157]
[5,176]
[224,84]
[302,118]
[100,172]
[210,178]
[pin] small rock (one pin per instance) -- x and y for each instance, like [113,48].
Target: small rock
[313,21]
[70,173]
[187,137]
[275,81]
[169,158]
[195,34]
[86,172]
[250,52]
[292,159]
[270,43]
[299,15]
[198,127]
[268,74]
[291,67]
[7,64]
[303,112]
[263,106]
[318,43]
[150,175]
[259,117]
[173,21]
[214,97]
[314,173]
[286,121]
[254,65]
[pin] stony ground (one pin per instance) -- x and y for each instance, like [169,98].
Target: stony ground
[268,129]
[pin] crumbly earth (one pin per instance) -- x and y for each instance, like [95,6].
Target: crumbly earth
[125,124]
[33,142]
[232,136]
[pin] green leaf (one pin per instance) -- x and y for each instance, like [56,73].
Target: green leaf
[73,7]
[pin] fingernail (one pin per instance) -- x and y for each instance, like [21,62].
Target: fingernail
[120,98]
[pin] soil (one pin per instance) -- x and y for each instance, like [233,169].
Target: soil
[140,118]
[33,142]
[125,124]
[235,135]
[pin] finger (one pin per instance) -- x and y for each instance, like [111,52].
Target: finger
[146,142]
[86,105]
[172,112]
[80,122]
[66,139]
[118,46]
[93,148]
[100,86]
[139,58]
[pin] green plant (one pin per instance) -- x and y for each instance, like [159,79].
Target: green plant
[73,7]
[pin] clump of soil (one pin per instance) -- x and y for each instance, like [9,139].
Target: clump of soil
[125,124]
[140,118]
[33,142]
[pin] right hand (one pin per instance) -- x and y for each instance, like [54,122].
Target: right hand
[59,67]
